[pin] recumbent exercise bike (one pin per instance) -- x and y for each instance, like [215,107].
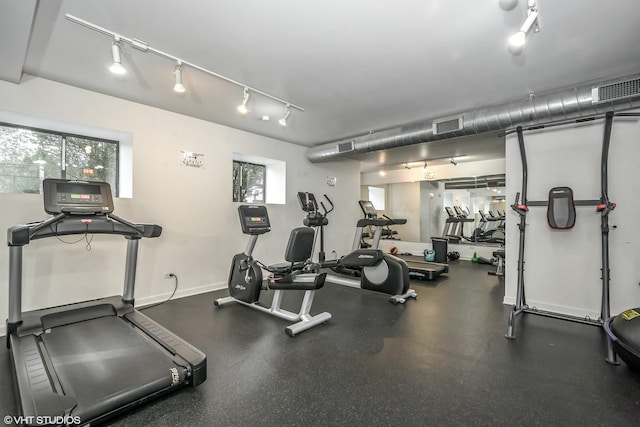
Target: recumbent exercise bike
[246,280]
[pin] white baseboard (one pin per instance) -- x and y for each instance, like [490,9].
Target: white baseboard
[180,293]
[563,309]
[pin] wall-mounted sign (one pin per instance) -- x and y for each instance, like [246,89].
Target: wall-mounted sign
[191,160]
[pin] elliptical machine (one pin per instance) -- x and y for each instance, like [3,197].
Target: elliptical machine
[315,218]
[246,280]
[378,271]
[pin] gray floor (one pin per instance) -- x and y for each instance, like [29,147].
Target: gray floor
[441,360]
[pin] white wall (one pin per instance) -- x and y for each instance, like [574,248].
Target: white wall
[562,269]
[201,229]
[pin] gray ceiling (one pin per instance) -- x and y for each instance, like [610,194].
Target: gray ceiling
[355,66]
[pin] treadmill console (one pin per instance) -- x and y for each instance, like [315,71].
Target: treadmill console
[368,209]
[76,197]
[254,219]
[307,201]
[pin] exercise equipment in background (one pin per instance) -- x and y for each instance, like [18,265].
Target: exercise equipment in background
[426,267]
[561,215]
[429,255]
[369,211]
[315,217]
[453,255]
[623,330]
[368,269]
[498,262]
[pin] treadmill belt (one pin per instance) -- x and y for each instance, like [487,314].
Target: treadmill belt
[105,364]
[423,270]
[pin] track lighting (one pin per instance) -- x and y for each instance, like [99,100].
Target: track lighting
[520,38]
[177,72]
[424,168]
[116,67]
[453,162]
[242,108]
[283,120]
[407,166]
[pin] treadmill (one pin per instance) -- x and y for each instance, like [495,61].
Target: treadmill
[418,267]
[423,270]
[85,362]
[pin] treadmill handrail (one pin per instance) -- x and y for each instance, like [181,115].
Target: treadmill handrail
[395,221]
[63,224]
[376,222]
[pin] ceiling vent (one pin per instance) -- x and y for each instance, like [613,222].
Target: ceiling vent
[450,124]
[615,91]
[346,147]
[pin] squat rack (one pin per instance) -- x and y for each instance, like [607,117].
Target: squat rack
[604,206]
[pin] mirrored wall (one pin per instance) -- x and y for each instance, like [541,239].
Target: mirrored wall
[423,204]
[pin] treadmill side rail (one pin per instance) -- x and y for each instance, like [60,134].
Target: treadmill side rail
[37,385]
[196,359]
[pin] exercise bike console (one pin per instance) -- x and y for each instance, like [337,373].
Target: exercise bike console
[254,219]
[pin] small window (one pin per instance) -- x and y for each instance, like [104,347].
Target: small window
[377,197]
[29,155]
[249,182]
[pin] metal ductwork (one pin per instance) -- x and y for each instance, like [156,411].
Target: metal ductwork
[576,103]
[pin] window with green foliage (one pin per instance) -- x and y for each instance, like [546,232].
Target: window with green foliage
[249,181]
[28,155]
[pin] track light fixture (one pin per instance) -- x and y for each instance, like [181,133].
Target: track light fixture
[242,108]
[283,120]
[117,67]
[520,38]
[177,72]
[453,162]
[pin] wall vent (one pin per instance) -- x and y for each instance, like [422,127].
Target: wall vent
[346,147]
[615,91]
[450,124]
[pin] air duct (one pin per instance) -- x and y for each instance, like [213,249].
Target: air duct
[569,104]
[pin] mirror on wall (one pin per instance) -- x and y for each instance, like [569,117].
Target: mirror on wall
[423,204]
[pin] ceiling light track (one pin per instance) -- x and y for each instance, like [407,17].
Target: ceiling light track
[520,38]
[119,39]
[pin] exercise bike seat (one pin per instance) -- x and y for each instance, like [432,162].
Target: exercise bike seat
[298,252]
[286,267]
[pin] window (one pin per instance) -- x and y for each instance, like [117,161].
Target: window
[28,155]
[249,181]
[377,197]
[258,179]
